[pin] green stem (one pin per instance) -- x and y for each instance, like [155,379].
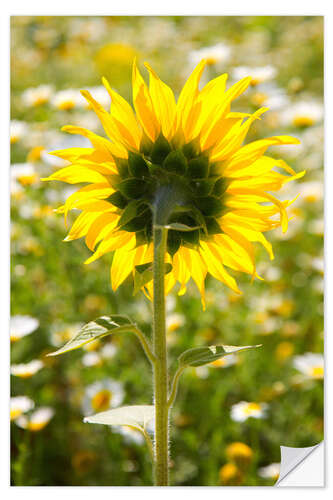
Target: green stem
[175,381]
[161,362]
[145,344]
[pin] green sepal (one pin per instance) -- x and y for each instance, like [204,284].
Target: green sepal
[203,355]
[132,188]
[122,166]
[203,187]
[220,186]
[192,148]
[137,165]
[141,238]
[161,149]
[117,199]
[143,274]
[210,206]
[130,212]
[175,162]
[199,167]
[146,145]
[174,242]
[138,223]
[191,237]
[213,226]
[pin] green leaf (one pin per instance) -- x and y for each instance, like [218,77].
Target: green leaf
[203,355]
[137,165]
[177,226]
[144,273]
[96,329]
[139,416]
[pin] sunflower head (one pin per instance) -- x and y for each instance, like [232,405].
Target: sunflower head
[182,164]
[173,173]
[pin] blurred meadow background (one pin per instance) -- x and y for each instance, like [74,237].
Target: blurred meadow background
[230,417]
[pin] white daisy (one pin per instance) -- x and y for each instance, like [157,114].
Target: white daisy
[20,326]
[26,370]
[19,405]
[270,95]
[303,114]
[310,364]
[108,350]
[37,96]
[67,99]
[17,130]
[37,420]
[92,359]
[102,396]
[214,55]
[22,173]
[174,322]
[259,74]
[271,471]
[243,410]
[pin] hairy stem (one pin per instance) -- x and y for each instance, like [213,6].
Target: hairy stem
[161,362]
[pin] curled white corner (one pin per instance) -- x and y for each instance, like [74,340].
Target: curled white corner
[302,466]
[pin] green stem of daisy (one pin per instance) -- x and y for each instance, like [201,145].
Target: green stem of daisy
[161,363]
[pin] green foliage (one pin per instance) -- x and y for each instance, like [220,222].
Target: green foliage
[96,329]
[199,356]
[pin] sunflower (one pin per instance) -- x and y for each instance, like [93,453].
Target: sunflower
[194,147]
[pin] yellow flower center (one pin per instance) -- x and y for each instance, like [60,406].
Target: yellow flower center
[14,413]
[317,372]
[211,60]
[101,401]
[66,105]
[303,121]
[251,407]
[37,426]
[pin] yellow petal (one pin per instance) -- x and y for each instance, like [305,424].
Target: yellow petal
[123,114]
[97,141]
[75,174]
[143,105]
[122,263]
[252,151]
[163,102]
[101,226]
[215,267]
[188,95]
